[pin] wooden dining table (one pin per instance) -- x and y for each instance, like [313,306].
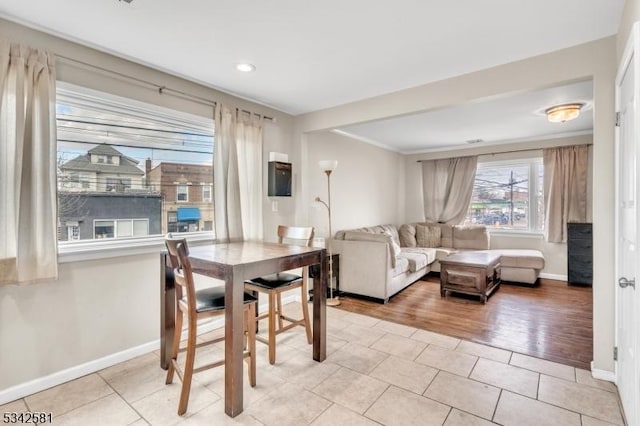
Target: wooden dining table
[234,263]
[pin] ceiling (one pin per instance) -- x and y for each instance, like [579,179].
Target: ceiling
[315,55]
[507,119]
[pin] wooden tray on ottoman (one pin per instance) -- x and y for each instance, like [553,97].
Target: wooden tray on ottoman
[473,272]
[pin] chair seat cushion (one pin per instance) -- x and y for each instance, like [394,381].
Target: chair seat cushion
[212,299]
[275,280]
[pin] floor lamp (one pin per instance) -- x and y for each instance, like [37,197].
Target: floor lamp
[329,166]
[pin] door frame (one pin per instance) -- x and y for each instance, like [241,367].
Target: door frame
[631,53]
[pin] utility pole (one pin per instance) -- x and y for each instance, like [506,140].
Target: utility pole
[511,183]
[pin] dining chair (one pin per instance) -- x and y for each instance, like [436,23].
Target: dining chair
[274,285]
[196,305]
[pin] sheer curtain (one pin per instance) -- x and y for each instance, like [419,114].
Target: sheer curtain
[565,189]
[237,175]
[447,185]
[226,185]
[28,224]
[249,145]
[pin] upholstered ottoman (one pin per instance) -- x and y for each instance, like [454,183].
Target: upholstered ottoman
[520,265]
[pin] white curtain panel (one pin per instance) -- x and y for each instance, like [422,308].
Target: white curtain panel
[447,185]
[28,224]
[226,186]
[565,189]
[249,146]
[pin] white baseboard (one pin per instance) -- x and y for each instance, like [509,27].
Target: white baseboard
[609,376]
[45,382]
[57,378]
[558,277]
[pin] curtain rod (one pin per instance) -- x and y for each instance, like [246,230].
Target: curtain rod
[511,151]
[161,89]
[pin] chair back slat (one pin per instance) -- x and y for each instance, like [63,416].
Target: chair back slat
[178,250]
[303,235]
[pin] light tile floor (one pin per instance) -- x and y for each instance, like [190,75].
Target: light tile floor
[376,372]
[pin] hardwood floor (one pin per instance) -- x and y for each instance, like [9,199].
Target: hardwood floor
[552,321]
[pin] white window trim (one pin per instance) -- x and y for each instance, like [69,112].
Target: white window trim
[516,233]
[178,200]
[210,197]
[532,216]
[82,250]
[115,226]
[92,249]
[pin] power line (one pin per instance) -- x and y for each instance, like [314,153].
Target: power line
[131,127]
[136,147]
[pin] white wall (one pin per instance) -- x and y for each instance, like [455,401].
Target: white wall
[367,188]
[98,308]
[277,138]
[630,14]
[95,309]
[86,300]
[555,254]
[596,61]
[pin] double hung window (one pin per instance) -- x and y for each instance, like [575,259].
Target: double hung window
[118,161]
[508,195]
[182,193]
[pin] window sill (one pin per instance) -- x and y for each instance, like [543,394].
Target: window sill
[516,233]
[92,250]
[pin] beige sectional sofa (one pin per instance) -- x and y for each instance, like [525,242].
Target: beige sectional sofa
[379,261]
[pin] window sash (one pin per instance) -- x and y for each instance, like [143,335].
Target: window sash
[182,193]
[206,193]
[534,209]
[139,131]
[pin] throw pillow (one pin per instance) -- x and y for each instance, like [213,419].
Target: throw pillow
[393,245]
[380,238]
[407,234]
[428,236]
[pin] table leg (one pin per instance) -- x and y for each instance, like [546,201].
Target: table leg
[167,311]
[320,312]
[234,343]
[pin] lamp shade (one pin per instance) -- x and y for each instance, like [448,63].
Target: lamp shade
[330,165]
[562,113]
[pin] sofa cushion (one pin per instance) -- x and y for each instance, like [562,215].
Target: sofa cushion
[407,234]
[428,235]
[393,245]
[446,234]
[470,237]
[519,275]
[378,229]
[418,257]
[391,229]
[368,236]
[517,258]
[401,266]
[442,252]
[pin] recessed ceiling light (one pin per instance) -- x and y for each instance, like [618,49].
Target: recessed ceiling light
[246,67]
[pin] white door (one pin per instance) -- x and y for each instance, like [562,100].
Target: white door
[627,253]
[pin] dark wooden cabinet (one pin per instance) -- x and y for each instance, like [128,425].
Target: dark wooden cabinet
[580,253]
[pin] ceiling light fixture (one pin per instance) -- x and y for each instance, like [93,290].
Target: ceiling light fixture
[562,113]
[246,67]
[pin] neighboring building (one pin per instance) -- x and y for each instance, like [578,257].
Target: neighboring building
[102,194]
[95,215]
[101,169]
[187,191]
